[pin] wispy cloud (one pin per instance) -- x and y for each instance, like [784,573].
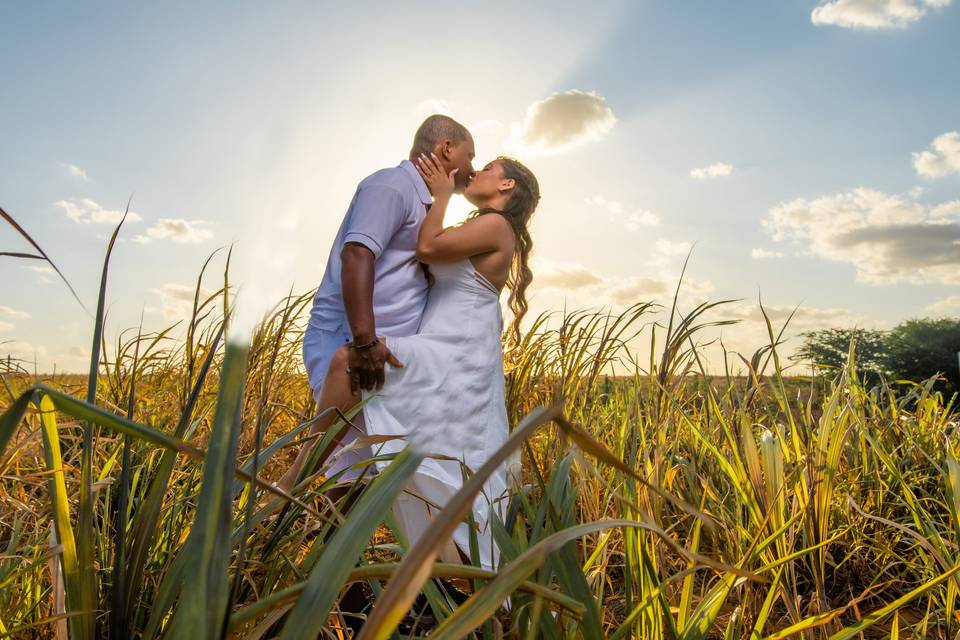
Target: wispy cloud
[10,312]
[632,220]
[657,284]
[176,230]
[950,304]
[433,105]
[888,238]
[803,317]
[87,211]
[760,254]
[715,170]
[562,121]
[552,275]
[942,158]
[873,14]
[176,300]
[74,171]
[6,326]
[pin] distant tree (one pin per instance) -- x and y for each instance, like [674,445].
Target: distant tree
[917,349]
[828,349]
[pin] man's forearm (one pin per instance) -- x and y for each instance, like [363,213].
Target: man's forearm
[356,283]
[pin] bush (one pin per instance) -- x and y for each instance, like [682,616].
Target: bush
[829,349]
[917,349]
[913,350]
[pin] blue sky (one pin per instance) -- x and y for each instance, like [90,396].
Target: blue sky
[823,133]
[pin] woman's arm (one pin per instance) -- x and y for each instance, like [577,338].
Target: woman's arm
[480,235]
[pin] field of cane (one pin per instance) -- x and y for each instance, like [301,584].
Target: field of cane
[661,503]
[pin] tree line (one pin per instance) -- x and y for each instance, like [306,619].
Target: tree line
[913,350]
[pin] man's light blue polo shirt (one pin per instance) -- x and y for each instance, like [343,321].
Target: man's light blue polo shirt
[385,217]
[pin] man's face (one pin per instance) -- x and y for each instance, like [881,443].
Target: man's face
[460,156]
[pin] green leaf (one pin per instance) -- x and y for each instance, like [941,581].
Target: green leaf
[309,615]
[203,600]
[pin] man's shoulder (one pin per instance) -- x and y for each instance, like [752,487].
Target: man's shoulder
[392,177]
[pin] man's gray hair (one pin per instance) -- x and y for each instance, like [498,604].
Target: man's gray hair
[435,129]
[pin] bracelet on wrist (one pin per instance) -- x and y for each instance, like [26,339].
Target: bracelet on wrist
[362,347]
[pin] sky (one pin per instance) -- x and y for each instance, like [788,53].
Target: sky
[807,151]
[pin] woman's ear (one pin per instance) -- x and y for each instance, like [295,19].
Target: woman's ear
[507,184]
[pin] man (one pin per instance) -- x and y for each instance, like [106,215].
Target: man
[373,284]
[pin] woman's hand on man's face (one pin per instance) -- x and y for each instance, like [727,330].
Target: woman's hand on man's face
[440,182]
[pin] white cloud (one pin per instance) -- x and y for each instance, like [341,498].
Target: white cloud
[177,230]
[948,305]
[804,318]
[636,289]
[45,272]
[670,248]
[431,106]
[599,289]
[641,218]
[9,312]
[759,254]
[564,276]
[177,300]
[872,14]
[888,238]
[616,212]
[946,210]
[942,158]
[74,171]
[715,170]
[6,326]
[562,121]
[486,126]
[86,211]
[24,351]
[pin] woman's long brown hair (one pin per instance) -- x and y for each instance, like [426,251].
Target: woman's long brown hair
[518,210]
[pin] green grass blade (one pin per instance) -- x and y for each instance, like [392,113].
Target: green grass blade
[11,418]
[481,605]
[202,609]
[60,505]
[309,615]
[704,616]
[87,539]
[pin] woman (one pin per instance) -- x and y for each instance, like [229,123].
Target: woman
[448,398]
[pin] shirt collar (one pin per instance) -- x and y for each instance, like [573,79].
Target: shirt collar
[418,182]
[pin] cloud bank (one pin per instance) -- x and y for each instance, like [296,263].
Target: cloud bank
[888,238]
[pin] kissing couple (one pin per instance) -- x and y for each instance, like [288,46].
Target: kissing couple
[408,318]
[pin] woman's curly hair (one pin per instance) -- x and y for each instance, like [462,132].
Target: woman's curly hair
[518,210]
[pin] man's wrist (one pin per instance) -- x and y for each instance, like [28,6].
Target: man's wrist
[363,337]
[363,346]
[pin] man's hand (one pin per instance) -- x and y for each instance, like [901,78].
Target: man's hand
[366,366]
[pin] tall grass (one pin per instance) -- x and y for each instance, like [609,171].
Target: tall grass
[660,503]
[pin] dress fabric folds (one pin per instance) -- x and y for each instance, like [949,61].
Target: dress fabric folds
[448,401]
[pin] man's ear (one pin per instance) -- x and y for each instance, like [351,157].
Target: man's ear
[445,149]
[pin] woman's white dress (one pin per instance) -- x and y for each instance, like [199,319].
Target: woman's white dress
[448,399]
